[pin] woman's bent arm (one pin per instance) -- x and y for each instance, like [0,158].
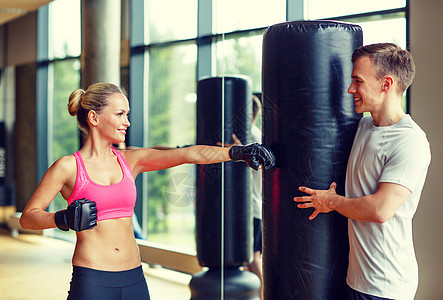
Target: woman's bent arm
[34,215]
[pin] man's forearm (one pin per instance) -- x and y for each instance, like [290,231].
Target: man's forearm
[378,207]
[360,209]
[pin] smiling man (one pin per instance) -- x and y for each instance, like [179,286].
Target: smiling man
[385,175]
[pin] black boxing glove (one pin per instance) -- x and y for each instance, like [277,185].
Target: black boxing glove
[80,215]
[254,155]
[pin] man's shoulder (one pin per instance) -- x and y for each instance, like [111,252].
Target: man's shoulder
[415,126]
[411,131]
[409,142]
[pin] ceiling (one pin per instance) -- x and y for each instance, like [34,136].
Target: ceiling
[13,9]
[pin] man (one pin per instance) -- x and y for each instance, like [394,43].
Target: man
[384,179]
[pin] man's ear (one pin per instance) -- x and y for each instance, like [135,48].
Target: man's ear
[93,117]
[387,83]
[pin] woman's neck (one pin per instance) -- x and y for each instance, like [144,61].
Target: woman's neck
[95,147]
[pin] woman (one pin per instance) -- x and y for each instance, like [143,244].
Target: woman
[98,183]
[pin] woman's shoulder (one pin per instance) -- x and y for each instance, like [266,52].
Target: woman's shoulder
[65,164]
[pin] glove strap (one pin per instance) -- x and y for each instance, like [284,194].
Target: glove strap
[61,221]
[235,153]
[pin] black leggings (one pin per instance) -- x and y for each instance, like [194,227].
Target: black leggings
[90,284]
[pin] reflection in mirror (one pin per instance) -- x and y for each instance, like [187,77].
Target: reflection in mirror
[171,122]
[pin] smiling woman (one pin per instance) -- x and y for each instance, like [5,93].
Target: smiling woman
[93,101]
[113,120]
[98,183]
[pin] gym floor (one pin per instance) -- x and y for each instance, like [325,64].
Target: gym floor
[34,267]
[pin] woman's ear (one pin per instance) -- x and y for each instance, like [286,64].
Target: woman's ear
[93,117]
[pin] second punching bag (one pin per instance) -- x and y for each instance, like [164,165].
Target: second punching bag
[224,107]
[223,208]
[309,122]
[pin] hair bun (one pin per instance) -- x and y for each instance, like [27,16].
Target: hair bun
[75,101]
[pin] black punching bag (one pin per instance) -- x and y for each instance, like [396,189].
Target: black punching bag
[309,122]
[224,107]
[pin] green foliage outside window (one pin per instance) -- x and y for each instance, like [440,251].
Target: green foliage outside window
[171,122]
[65,134]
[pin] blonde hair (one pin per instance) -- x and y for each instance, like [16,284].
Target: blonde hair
[95,98]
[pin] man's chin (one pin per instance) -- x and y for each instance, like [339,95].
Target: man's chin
[359,110]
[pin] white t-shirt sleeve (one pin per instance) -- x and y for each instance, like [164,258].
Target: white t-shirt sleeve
[407,163]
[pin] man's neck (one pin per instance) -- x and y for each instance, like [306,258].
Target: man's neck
[389,114]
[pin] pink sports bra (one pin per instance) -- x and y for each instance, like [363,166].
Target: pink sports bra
[113,201]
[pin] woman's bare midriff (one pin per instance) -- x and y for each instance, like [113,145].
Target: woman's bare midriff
[110,246]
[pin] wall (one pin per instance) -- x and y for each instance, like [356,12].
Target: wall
[21,40]
[18,53]
[2,45]
[25,134]
[426,45]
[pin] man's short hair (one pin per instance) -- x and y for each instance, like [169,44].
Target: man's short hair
[389,59]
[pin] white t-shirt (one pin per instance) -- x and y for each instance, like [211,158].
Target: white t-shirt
[382,260]
[256,180]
